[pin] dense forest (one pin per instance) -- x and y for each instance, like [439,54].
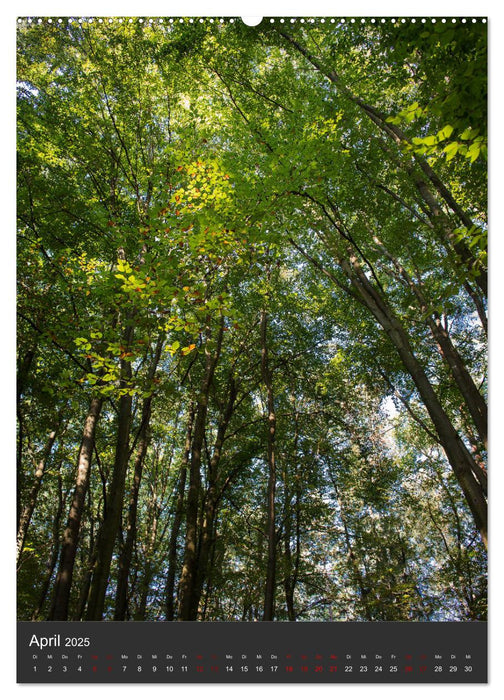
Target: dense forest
[251,319]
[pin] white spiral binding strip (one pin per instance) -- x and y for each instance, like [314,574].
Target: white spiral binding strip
[249,21]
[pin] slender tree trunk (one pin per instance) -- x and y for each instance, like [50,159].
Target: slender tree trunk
[140,614]
[131,528]
[29,507]
[177,520]
[59,610]
[84,591]
[148,571]
[463,464]
[126,555]
[115,498]
[208,526]
[289,579]
[188,577]
[270,584]
[292,566]
[352,557]
[22,376]
[51,564]
[209,580]
[446,229]
[474,402]
[472,479]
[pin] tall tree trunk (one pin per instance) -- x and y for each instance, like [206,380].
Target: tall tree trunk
[85,586]
[209,580]
[59,610]
[51,564]
[289,579]
[471,478]
[292,562]
[475,403]
[148,571]
[210,511]
[115,498]
[29,507]
[448,236]
[270,583]
[188,577]
[131,527]
[177,520]
[126,554]
[352,557]
[462,462]
[22,376]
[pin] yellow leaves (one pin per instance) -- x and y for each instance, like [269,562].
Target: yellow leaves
[471,152]
[124,266]
[172,349]
[175,347]
[445,132]
[188,349]
[451,150]
[206,184]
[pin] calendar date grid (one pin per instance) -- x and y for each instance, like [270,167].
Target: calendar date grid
[167,663]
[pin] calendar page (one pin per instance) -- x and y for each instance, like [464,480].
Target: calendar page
[252,349]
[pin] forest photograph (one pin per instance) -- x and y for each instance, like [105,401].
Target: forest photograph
[251,319]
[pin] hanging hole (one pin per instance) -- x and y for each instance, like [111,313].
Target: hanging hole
[251,21]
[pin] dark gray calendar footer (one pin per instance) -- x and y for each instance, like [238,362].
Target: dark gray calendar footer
[262,652]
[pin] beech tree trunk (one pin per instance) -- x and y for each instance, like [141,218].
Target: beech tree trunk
[188,578]
[177,520]
[271,536]
[126,555]
[22,376]
[210,511]
[468,472]
[131,527]
[59,610]
[115,498]
[27,512]
[462,462]
[51,564]
[475,403]
[352,559]
[148,572]
[292,560]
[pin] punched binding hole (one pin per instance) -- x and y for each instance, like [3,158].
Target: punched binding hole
[251,21]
